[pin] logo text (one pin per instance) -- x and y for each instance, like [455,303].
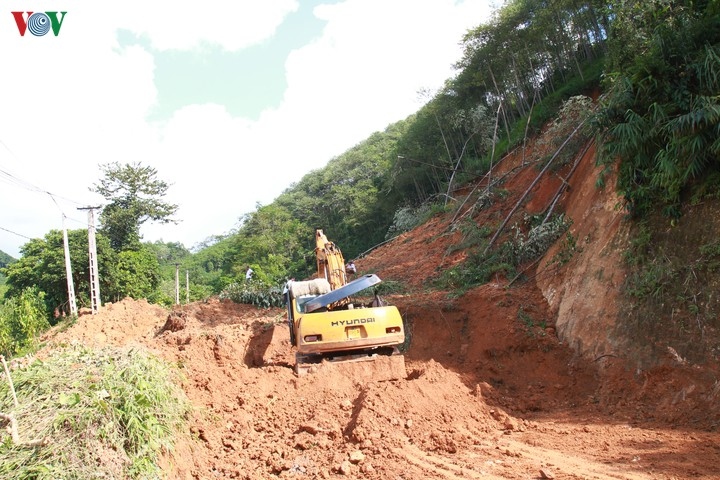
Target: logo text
[354,321]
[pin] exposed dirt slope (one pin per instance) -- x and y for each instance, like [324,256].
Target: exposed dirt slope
[496,386]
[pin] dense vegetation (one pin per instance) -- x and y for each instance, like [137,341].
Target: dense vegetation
[5,259]
[82,414]
[661,113]
[656,63]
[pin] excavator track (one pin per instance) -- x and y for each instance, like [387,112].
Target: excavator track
[376,366]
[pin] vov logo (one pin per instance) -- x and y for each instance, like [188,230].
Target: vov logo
[38,23]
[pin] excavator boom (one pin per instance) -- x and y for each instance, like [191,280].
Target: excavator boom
[330,261]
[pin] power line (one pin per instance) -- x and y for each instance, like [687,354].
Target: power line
[15,233]
[14,180]
[81,222]
[11,179]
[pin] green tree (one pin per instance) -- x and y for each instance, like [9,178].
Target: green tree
[351,198]
[134,195]
[529,50]
[5,259]
[42,265]
[135,274]
[22,319]
[272,242]
[211,267]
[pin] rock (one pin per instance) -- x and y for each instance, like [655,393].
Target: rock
[345,468]
[175,322]
[544,473]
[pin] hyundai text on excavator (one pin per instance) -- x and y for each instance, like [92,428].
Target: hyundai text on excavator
[328,327]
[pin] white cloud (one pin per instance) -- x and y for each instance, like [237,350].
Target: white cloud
[186,24]
[79,100]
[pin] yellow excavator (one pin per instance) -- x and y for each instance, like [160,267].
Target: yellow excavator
[328,327]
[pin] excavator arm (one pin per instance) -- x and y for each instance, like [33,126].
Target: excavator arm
[330,261]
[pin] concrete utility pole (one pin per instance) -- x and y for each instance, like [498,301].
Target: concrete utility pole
[92,255]
[68,272]
[177,284]
[187,286]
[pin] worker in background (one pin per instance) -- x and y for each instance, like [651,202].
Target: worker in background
[350,268]
[249,274]
[286,289]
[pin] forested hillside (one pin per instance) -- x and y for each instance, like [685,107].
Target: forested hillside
[5,259]
[655,62]
[652,68]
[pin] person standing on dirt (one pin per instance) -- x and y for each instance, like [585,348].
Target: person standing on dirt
[350,268]
[249,274]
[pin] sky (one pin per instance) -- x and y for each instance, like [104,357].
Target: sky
[230,101]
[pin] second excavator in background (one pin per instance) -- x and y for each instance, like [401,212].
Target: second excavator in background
[328,326]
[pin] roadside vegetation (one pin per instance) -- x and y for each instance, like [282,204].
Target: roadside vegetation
[22,320]
[83,413]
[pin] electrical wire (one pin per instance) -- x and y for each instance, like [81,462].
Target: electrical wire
[13,180]
[15,233]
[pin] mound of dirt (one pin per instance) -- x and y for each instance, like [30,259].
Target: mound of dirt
[485,396]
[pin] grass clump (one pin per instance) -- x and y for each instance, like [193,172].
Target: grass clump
[91,414]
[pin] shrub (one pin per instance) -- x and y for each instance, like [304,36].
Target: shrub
[406,218]
[254,293]
[22,319]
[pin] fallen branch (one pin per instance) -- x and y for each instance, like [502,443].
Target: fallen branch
[376,246]
[496,181]
[10,417]
[9,378]
[522,272]
[565,180]
[560,191]
[529,189]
